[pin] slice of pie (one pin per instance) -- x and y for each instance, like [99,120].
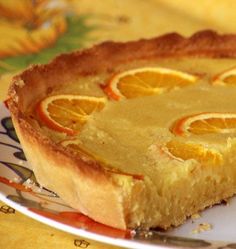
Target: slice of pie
[137,134]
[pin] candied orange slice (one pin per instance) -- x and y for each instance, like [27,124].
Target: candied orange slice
[226,78]
[72,144]
[146,81]
[75,145]
[204,123]
[203,154]
[68,113]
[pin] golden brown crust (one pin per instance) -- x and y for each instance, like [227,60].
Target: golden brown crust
[83,183]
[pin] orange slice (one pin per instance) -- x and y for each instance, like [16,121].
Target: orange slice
[146,81]
[204,123]
[68,113]
[226,78]
[74,144]
[199,152]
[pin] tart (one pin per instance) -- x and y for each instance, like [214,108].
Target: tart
[136,134]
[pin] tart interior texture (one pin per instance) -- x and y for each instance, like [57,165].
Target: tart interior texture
[124,132]
[162,129]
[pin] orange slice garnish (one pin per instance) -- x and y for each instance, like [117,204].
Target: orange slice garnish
[146,81]
[204,123]
[226,78]
[68,113]
[199,152]
[75,145]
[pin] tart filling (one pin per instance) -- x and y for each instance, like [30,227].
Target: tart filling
[145,143]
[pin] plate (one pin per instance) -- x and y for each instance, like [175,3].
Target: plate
[20,190]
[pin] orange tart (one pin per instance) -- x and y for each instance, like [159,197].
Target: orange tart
[136,134]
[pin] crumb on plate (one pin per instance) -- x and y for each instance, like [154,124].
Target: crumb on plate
[202,227]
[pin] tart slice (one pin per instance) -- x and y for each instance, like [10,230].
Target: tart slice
[136,134]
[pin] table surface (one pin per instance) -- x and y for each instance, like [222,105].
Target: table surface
[35,33]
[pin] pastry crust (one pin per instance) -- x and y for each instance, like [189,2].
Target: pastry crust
[80,181]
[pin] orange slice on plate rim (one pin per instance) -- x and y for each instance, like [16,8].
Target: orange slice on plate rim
[146,81]
[68,113]
[205,123]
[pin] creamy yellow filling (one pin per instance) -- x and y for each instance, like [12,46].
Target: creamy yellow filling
[124,131]
[129,134]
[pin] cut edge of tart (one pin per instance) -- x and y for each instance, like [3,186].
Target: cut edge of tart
[118,199]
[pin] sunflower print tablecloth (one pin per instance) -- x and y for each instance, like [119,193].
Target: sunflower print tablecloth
[35,31]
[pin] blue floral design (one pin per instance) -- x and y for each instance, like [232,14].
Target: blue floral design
[11,133]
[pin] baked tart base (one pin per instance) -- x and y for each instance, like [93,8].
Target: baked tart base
[139,161]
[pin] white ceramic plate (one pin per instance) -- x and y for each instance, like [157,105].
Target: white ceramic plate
[35,202]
